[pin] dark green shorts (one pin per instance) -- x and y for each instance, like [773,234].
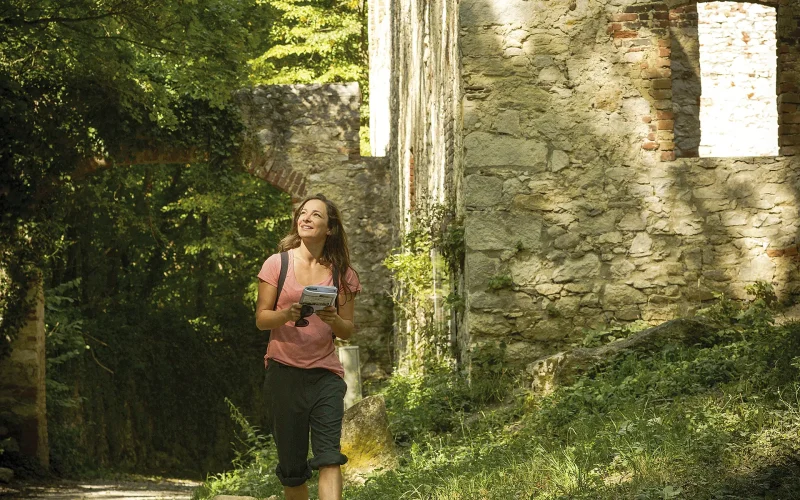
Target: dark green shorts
[298,401]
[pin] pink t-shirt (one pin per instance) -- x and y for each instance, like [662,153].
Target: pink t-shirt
[309,346]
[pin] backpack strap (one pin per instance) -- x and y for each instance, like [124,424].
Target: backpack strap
[335,273]
[282,277]
[281,281]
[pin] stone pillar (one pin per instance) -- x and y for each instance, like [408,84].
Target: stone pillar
[380,67]
[789,77]
[22,383]
[686,82]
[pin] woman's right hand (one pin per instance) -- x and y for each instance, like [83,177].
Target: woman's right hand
[293,313]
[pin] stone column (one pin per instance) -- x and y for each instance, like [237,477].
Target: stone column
[22,383]
[380,66]
[789,77]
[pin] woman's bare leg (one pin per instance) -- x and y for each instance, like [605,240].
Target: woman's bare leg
[330,482]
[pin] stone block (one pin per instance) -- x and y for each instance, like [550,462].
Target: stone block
[482,191]
[642,245]
[366,439]
[486,324]
[526,272]
[501,231]
[582,268]
[478,269]
[482,149]
[622,295]
[491,13]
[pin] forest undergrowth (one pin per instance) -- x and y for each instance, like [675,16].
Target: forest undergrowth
[716,420]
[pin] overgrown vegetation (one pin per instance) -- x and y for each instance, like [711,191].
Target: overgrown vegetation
[716,420]
[719,420]
[148,270]
[425,269]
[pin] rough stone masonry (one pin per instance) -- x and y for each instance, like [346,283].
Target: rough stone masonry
[587,173]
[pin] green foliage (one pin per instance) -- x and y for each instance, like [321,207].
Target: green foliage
[166,259]
[254,465]
[500,282]
[87,79]
[433,246]
[701,421]
[64,342]
[491,377]
[314,42]
[602,336]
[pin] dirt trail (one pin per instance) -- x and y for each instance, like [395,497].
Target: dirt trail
[103,490]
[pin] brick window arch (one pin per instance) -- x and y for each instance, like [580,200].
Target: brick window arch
[661,43]
[724,79]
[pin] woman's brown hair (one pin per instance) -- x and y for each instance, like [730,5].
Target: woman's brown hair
[336,251]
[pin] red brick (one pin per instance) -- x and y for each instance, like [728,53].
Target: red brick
[790,118]
[665,115]
[647,119]
[788,129]
[774,252]
[789,98]
[625,34]
[630,16]
[664,43]
[787,108]
[651,136]
[666,145]
[661,105]
[664,52]
[791,251]
[668,156]
[789,140]
[666,125]
[613,27]
[650,146]
[662,83]
[663,62]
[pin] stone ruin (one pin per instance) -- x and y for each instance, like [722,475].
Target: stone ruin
[612,160]
[590,147]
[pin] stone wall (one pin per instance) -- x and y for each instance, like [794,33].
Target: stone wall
[295,131]
[572,187]
[23,409]
[304,140]
[425,145]
[361,190]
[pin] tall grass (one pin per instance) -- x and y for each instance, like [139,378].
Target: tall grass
[717,420]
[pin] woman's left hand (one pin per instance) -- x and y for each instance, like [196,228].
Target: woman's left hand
[328,315]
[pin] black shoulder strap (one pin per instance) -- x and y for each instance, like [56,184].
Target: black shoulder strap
[335,273]
[282,277]
[336,285]
[281,280]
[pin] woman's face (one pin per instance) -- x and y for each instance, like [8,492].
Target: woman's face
[313,220]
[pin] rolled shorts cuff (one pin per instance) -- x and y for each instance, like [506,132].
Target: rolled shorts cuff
[327,458]
[292,481]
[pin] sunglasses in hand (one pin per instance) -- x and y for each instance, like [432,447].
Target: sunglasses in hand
[305,311]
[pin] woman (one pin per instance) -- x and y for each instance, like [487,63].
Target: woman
[304,386]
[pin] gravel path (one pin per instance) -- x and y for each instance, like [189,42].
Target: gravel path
[104,490]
